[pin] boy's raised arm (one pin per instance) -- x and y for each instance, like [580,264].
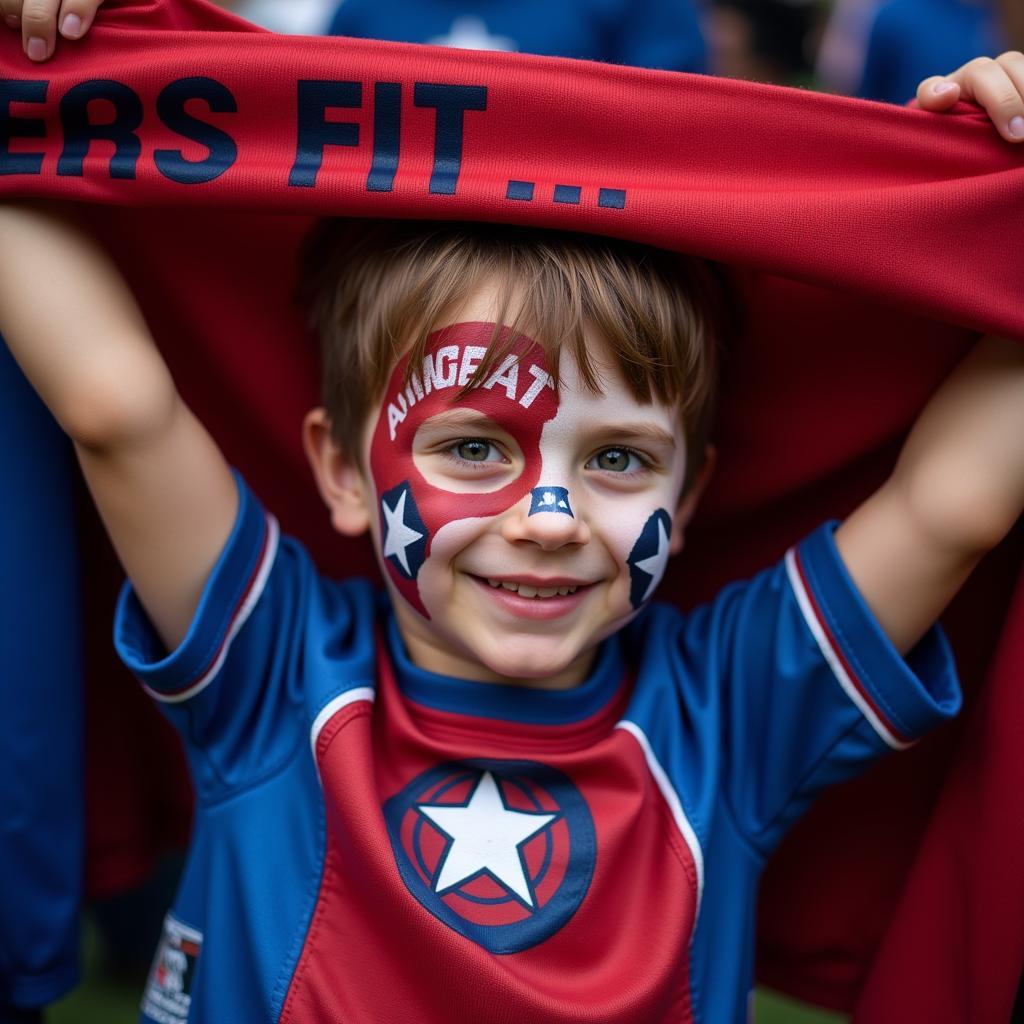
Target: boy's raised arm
[165,493]
[957,489]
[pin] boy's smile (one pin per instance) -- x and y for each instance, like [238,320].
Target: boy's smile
[519,525]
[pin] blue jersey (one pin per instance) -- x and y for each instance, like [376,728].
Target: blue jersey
[643,33]
[913,39]
[377,842]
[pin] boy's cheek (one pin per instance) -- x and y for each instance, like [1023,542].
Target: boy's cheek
[639,540]
[434,584]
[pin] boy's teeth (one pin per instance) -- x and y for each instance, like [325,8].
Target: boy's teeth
[525,590]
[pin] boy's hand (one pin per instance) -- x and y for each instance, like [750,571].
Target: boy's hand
[40,20]
[997,85]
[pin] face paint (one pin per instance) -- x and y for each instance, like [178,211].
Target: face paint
[550,499]
[519,397]
[649,557]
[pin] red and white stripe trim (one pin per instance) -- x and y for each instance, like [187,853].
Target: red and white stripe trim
[675,805]
[250,595]
[331,708]
[832,652]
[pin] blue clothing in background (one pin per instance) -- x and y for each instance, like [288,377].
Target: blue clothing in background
[41,799]
[645,33]
[913,39]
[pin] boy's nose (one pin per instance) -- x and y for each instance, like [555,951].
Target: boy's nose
[546,517]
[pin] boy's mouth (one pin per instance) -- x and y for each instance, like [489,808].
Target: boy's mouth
[528,590]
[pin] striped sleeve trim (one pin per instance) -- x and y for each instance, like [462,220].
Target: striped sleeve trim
[851,682]
[247,600]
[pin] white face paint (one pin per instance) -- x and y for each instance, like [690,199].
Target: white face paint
[528,590]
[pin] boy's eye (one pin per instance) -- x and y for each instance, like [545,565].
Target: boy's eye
[474,450]
[615,460]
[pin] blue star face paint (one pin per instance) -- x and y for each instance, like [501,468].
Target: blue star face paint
[404,536]
[550,499]
[649,557]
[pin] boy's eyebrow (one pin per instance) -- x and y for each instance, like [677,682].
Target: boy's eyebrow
[645,431]
[460,417]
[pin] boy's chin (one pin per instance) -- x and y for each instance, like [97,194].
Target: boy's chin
[532,665]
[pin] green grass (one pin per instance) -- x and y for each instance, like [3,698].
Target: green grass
[101,1000]
[97,1001]
[771,1008]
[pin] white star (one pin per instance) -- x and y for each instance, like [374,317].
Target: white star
[655,565]
[470,33]
[398,536]
[486,836]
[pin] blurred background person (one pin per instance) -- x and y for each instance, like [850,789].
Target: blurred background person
[295,17]
[897,48]
[762,40]
[878,50]
[844,44]
[646,33]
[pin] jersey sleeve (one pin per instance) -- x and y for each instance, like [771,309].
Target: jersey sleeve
[809,687]
[235,687]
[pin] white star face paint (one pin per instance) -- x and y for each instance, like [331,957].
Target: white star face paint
[515,537]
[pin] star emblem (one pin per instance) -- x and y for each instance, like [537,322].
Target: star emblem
[649,557]
[398,534]
[486,836]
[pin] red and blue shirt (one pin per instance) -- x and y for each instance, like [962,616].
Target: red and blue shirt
[377,842]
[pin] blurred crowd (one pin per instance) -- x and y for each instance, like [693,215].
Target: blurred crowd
[873,49]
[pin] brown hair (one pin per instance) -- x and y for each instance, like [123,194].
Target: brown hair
[376,289]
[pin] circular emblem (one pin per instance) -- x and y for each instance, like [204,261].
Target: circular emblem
[501,851]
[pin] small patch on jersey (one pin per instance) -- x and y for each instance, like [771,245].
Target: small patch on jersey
[405,536]
[503,852]
[550,499]
[649,557]
[168,994]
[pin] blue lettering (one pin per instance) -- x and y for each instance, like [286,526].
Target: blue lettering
[170,105]
[451,103]
[79,132]
[12,91]
[387,124]
[316,132]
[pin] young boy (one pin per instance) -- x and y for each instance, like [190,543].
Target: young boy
[513,791]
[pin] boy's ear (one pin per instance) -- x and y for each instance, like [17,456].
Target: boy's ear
[339,479]
[690,499]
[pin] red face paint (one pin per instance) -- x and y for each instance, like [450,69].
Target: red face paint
[519,396]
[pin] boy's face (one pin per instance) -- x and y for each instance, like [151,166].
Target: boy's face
[518,526]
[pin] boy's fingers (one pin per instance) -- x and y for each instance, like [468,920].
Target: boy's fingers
[998,86]
[39,27]
[1013,64]
[76,16]
[9,13]
[937,93]
[40,20]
